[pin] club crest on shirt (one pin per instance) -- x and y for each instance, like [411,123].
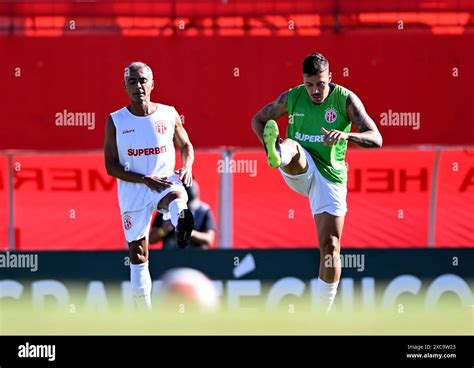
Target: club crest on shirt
[161,126]
[330,115]
[127,222]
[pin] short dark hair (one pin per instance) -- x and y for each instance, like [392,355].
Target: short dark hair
[315,64]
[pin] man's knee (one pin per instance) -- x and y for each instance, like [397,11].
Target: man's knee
[291,145]
[330,246]
[329,252]
[138,251]
[289,141]
[298,164]
[170,197]
[175,195]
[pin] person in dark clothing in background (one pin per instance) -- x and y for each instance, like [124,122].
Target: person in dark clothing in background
[202,237]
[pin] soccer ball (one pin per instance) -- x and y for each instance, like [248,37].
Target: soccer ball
[189,287]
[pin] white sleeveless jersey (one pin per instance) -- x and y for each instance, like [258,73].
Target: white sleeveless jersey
[145,146]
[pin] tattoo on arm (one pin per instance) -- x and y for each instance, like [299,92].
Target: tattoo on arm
[368,135]
[275,109]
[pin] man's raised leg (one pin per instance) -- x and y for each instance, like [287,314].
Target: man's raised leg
[181,217]
[287,154]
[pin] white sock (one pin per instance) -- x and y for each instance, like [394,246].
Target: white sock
[325,294]
[175,207]
[141,285]
[285,155]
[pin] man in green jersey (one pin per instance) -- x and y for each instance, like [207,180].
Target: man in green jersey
[311,158]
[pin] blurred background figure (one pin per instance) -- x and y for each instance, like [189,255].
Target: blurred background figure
[204,231]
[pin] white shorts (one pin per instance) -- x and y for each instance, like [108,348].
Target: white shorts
[136,224]
[324,195]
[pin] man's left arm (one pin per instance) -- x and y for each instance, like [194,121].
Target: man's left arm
[368,135]
[181,140]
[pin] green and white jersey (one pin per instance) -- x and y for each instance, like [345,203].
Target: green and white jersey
[305,122]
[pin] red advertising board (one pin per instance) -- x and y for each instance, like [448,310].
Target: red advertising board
[67,201]
[388,201]
[455,199]
[267,213]
[4,202]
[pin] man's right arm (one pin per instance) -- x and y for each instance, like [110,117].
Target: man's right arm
[272,111]
[112,164]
